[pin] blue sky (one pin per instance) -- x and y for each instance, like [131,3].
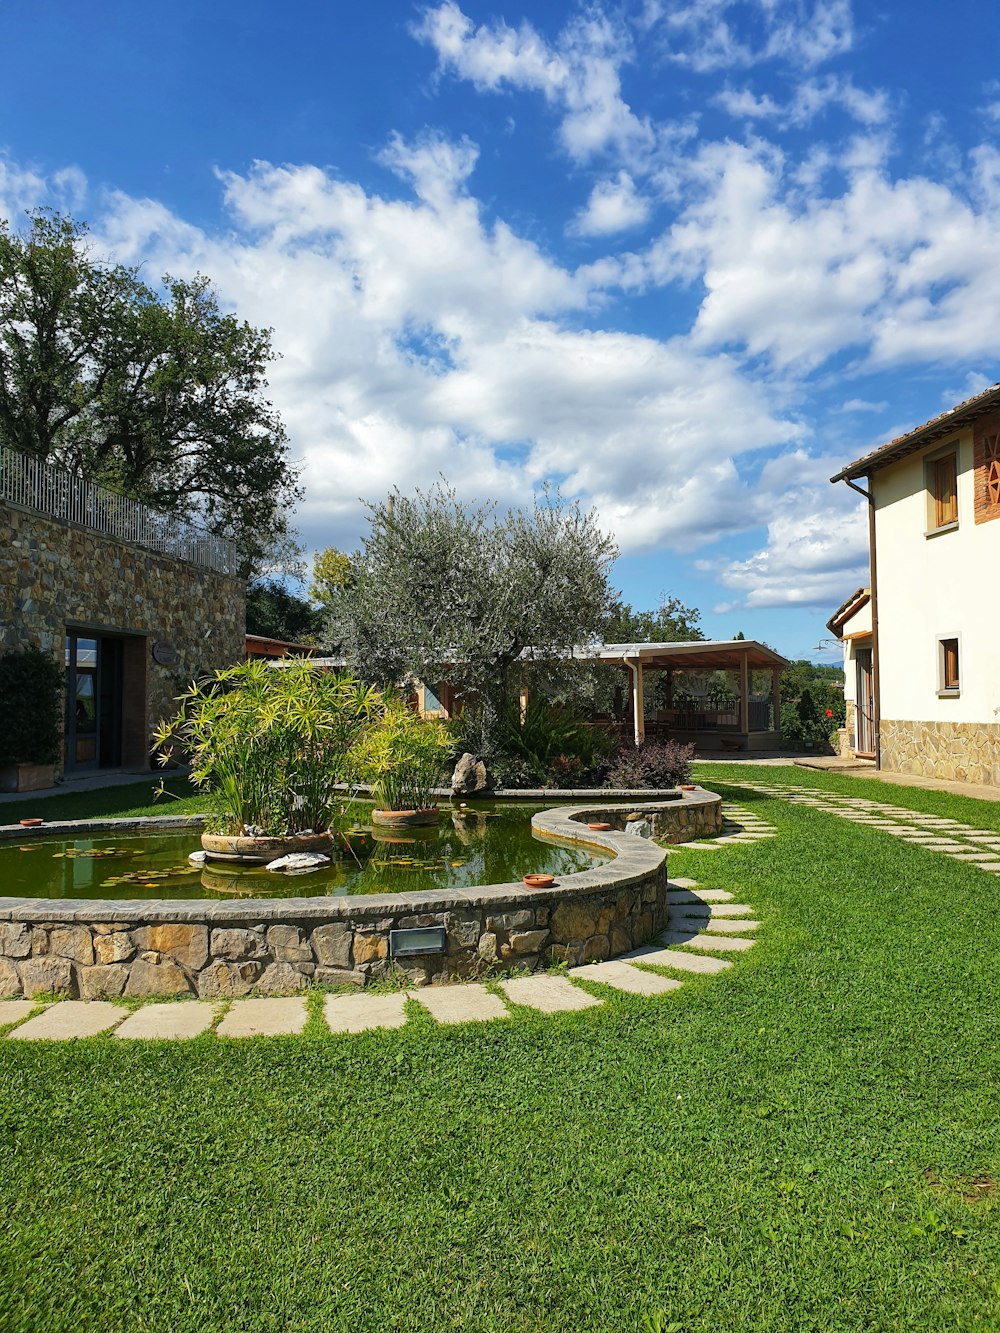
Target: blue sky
[684,257]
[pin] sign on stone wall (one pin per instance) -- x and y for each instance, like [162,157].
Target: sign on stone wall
[164,653]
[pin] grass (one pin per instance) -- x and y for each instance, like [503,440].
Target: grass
[127,801]
[806,1142]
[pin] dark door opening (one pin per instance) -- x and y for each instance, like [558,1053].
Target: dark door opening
[865,703]
[93,702]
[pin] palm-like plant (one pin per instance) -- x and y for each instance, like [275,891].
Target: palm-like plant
[403,758]
[272,743]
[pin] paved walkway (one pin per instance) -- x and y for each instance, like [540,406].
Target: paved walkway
[703,924]
[950,837]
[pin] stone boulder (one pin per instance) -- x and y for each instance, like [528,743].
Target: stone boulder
[299,863]
[471,777]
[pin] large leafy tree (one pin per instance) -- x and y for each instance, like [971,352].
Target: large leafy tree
[277,613]
[157,393]
[671,622]
[442,588]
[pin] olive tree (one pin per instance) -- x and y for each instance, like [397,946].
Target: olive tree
[483,598]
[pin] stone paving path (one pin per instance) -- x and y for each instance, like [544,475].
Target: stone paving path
[950,837]
[706,921]
[738,825]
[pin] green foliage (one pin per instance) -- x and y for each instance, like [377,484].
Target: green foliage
[671,622]
[31,691]
[276,613]
[157,394]
[814,716]
[550,746]
[332,573]
[651,764]
[442,586]
[270,743]
[403,758]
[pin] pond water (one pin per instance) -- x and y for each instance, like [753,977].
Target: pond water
[478,846]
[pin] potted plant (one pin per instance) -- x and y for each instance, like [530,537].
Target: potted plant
[269,744]
[403,760]
[31,686]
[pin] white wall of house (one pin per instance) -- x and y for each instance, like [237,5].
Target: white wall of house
[934,587]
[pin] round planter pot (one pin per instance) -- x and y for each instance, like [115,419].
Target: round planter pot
[599,826]
[260,851]
[405,818]
[539,881]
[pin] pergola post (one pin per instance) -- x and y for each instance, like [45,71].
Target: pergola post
[744,696]
[776,698]
[638,703]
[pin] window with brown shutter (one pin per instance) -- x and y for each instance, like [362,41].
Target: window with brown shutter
[949,664]
[944,490]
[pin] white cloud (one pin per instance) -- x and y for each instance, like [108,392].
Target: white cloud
[579,74]
[709,35]
[21,189]
[817,540]
[810,99]
[614,205]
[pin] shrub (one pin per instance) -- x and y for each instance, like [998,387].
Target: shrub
[403,758]
[651,764]
[550,746]
[271,743]
[813,716]
[31,686]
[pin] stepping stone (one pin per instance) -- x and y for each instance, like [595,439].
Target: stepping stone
[168,1022]
[12,1011]
[730,927]
[708,943]
[68,1020]
[626,978]
[460,1004]
[693,899]
[683,962]
[359,1013]
[681,883]
[731,909]
[549,995]
[264,1018]
[701,846]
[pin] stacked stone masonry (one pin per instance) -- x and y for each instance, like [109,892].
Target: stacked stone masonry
[100,950]
[954,751]
[54,574]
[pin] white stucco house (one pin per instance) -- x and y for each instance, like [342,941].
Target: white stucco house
[922,641]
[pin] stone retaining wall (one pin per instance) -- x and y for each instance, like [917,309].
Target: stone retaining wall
[698,815]
[955,751]
[101,949]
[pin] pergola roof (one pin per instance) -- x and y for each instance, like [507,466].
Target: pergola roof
[700,655]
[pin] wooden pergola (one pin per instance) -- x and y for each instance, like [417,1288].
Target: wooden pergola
[719,728]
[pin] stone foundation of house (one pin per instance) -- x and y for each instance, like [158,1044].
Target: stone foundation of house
[956,751]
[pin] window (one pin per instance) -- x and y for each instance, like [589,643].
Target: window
[950,679]
[944,490]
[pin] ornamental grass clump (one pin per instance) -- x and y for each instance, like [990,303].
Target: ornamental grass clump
[404,758]
[270,744]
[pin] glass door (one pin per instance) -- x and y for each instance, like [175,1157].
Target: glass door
[93,702]
[865,702]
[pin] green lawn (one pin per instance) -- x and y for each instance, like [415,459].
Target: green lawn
[807,1142]
[128,800]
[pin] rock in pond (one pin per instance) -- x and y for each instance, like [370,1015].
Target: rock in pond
[299,863]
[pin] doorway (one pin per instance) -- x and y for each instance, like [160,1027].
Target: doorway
[864,744]
[93,702]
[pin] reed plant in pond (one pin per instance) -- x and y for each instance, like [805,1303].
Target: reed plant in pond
[270,744]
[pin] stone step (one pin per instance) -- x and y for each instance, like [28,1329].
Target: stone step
[168,1022]
[364,1011]
[708,943]
[460,1004]
[547,994]
[683,962]
[721,927]
[68,1020]
[681,883]
[700,896]
[711,909]
[264,1018]
[625,978]
[12,1011]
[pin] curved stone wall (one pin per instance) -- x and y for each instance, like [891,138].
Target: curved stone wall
[100,949]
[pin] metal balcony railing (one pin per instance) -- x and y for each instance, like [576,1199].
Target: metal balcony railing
[51,490]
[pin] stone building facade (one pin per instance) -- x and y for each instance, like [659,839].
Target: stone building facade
[150,620]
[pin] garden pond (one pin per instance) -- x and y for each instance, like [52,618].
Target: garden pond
[484,845]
